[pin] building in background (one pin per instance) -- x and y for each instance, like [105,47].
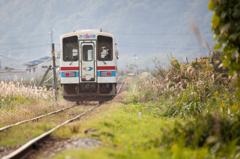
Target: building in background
[40,65]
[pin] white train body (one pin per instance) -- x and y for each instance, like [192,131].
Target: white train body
[88,66]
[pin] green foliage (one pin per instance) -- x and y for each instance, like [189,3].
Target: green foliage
[124,135]
[130,100]
[8,68]
[217,133]
[225,24]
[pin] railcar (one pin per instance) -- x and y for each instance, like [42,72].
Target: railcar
[88,66]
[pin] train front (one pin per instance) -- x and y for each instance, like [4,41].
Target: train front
[88,66]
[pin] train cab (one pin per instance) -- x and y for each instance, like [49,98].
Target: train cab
[88,65]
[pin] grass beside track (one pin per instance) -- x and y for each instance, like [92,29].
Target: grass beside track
[124,135]
[20,134]
[26,112]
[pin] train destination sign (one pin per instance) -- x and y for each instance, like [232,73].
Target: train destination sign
[87,36]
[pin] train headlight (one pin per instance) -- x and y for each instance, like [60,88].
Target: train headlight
[105,73]
[70,74]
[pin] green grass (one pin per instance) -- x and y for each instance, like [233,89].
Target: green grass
[124,135]
[19,135]
[160,134]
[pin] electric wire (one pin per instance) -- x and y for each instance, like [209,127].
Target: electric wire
[10,58]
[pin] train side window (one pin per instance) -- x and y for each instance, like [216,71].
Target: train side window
[70,48]
[105,48]
[87,52]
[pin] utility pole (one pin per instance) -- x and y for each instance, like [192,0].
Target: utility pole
[51,32]
[136,67]
[54,71]
[126,67]
[54,64]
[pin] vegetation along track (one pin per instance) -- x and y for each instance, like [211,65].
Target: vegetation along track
[28,147]
[120,81]
[36,118]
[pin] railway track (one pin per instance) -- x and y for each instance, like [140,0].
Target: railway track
[36,118]
[45,115]
[26,149]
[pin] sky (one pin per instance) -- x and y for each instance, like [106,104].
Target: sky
[145,28]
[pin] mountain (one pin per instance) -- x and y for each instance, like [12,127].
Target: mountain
[147,28]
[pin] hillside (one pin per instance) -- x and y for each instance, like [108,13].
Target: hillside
[147,29]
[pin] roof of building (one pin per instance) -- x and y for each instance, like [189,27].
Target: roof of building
[37,61]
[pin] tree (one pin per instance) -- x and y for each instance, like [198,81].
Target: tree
[226,28]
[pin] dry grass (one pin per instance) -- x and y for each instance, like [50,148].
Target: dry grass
[192,88]
[18,90]
[179,76]
[27,112]
[19,102]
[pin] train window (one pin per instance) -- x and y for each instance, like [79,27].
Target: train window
[87,52]
[70,49]
[105,48]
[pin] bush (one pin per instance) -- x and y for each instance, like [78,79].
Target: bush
[220,134]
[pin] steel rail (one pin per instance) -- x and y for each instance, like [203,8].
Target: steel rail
[36,118]
[41,116]
[120,86]
[27,148]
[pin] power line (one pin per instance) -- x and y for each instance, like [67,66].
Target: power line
[27,60]
[156,46]
[36,35]
[26,48]
[161,33]
[10,58]
[148,44]
[122,33]
[22,43]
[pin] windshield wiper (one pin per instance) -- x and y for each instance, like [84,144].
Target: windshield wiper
[72,61]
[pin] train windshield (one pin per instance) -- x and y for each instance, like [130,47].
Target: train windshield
[105,48]
[70,49]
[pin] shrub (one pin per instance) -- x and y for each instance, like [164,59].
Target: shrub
[220,134]
[191,88]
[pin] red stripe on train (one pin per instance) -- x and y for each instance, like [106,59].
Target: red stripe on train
[68,68]
[98,68]
[106,68]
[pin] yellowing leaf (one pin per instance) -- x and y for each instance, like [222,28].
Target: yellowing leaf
[215,21]
[217,46]
[234,107]
[211,6]
[222,105]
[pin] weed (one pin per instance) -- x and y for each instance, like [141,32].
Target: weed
[217,133]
